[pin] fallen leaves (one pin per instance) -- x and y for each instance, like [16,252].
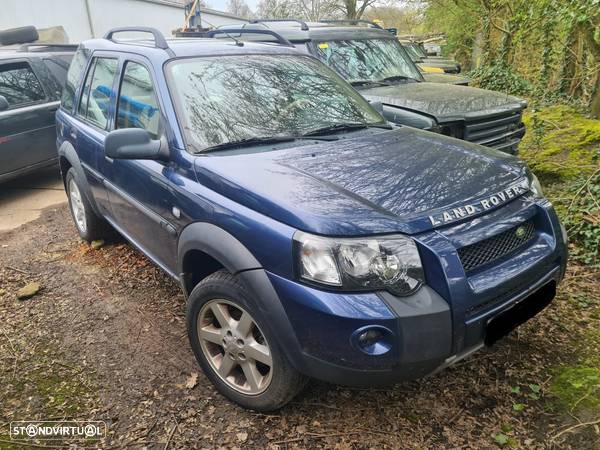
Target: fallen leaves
[192,381]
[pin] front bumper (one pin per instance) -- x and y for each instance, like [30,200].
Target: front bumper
[429,330]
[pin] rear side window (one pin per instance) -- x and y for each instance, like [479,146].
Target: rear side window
[58,67]
[19,85]
[73,77]
[97,90]
[138,106]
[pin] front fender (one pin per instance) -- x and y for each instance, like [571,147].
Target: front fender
[217,243]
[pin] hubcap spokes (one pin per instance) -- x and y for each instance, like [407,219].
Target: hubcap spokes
[77,206]
[235,347]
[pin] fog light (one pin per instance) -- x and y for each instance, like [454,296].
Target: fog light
[373,340]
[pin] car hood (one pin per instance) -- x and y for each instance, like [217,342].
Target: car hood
[402,180]
[444,102]
[446,78]
[439,65]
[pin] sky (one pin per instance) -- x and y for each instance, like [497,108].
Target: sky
[221,5]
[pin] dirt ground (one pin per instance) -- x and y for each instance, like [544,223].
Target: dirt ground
[105,339]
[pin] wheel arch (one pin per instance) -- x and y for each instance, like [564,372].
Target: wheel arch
[67,159]
[204,248]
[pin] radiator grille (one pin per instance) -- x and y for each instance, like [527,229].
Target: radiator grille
[498,132]
[483,252]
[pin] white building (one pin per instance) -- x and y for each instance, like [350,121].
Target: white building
[84,19]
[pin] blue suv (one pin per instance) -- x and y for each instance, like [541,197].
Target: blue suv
[310,237]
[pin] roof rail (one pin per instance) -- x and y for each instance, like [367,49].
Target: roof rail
[352,22]
[303,25]
[43,46]
[159,39]
[280,39]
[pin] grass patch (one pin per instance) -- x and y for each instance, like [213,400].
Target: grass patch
[577,387]
[37,384]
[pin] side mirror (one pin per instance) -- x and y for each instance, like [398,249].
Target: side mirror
[3,103]
[134,143]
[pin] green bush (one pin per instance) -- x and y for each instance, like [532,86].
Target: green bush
[582,219]
[501,77]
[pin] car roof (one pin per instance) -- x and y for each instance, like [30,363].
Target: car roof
[187,47]
[317,31]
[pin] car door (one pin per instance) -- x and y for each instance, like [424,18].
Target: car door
[142,192]
[93,115]
[27,130]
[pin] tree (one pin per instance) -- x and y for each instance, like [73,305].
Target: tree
[239,8]
[278,9]
[354,9]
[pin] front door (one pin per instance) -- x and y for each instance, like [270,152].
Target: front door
[141,192]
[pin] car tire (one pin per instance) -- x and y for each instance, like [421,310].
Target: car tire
[224,359]
[89,226]
[19,35]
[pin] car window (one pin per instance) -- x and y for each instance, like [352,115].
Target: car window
[97,90]
[58,67]
[138,106]
[73,77]
[19,85]
[85,91]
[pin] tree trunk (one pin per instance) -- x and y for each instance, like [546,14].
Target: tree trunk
[350,9]
[595,104]
[568,68]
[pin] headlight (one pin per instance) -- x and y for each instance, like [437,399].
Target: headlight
[535,186]
[392,263]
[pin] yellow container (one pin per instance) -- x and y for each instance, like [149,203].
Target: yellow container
[428,69]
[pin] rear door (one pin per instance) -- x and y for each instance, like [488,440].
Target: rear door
[27,129]
[94,115]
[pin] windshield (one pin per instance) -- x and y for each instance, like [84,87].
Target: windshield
[414,55]
[418,49]
[229,99]
[367,59]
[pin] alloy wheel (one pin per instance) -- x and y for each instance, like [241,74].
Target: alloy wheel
[235,347]
[77,206]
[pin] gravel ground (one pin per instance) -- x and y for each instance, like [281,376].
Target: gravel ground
[105,339]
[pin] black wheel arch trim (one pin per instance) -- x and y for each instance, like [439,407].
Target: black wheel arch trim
[67,151]
[217,243]
[238,260]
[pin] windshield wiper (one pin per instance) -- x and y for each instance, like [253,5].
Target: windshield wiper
[346,127]
[261,141]
[368,83]
[397,78]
